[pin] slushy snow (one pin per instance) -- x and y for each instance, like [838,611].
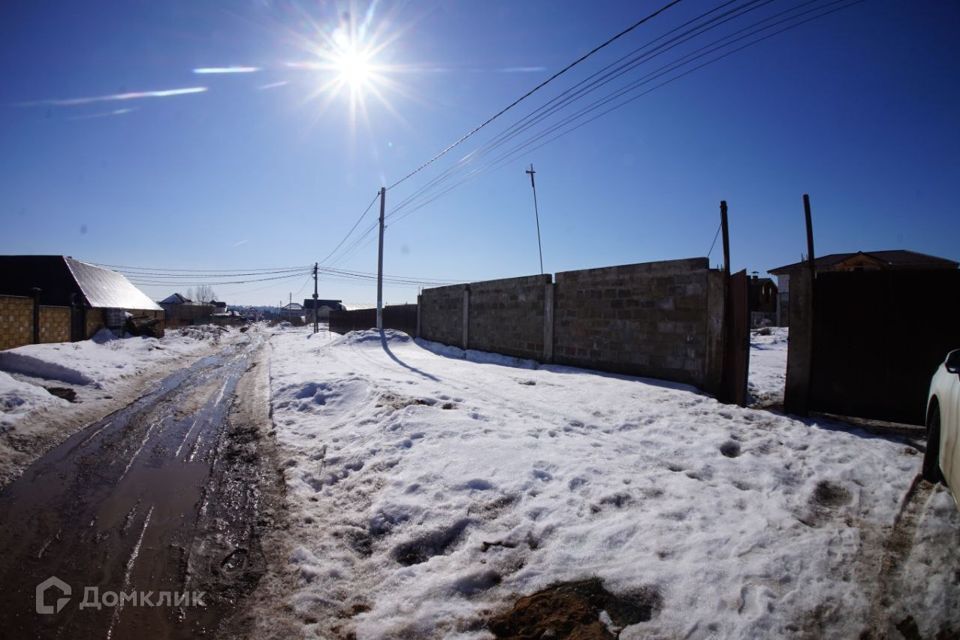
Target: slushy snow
[105,372]
[432,487]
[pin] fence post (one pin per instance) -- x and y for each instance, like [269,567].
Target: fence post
[36,314]
[796,395]
[419,306]
[548,302]
[466,317]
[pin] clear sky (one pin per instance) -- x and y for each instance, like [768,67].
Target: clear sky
[126,142]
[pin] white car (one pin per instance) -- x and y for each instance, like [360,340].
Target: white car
[942,459]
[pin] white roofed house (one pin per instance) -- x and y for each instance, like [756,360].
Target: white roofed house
[63,299]
[292,312]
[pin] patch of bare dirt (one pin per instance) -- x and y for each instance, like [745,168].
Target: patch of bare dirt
[575,610]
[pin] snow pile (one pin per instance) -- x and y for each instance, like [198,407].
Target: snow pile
[95,363]
[431,491]
[19,398]
[768,365]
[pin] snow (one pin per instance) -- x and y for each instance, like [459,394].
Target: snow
[105,372]
[100,360]
[768,365]
[17,399]
[431,487]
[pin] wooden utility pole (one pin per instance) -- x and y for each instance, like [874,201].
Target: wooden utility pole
[809,220]
[316,320]
[536,213]
[383,200]
[725,232]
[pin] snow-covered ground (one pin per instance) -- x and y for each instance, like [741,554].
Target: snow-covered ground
[104,372]
[430,490]
[768,366]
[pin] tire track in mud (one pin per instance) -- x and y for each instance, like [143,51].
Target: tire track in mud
[117,508]
[896,550]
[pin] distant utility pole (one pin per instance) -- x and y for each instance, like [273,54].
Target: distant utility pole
[536,213]
[383,202]
[316,321]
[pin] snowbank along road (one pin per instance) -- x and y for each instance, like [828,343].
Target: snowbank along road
[441,494]
[159,497]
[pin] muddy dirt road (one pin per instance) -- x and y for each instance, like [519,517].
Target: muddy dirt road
[148,519]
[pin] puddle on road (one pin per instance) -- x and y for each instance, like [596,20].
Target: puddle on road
[146,500]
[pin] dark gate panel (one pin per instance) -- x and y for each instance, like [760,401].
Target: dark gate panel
[736,346]
[878,336]
[402,317]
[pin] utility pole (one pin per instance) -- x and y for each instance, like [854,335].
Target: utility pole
[383,202]
[725,230]
[811,261]
[316,321]
[536,213]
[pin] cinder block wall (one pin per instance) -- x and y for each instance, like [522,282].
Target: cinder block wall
[658,319]
[506,316]
[441,314]
[647,319]
[16,321]
[94,322]
[54,324]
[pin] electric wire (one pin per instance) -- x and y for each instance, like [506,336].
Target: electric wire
[603,76]
[171,270]
[352,229]
[690,57]
[513,104]
[687,59]
[149,283]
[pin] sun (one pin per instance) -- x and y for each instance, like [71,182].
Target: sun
[351,63]
[354,68]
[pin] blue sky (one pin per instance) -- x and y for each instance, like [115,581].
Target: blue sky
[270,168]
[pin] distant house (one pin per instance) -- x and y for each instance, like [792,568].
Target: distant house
[857,261]
[323,308]
[74,300]
[175,298]
[762,301]
[181,311]
[292,312]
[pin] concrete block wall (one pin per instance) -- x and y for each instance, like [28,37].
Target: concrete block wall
[441,314]
[54,324]
[507,316]
[645,319]
[16,321]
[660,319]
[94,322]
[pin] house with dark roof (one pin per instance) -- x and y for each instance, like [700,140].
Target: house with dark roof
[323,308]
[856,261]
[175,298]
[78,297]
[181,311]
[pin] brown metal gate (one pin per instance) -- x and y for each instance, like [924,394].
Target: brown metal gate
[877,338]
[736,345]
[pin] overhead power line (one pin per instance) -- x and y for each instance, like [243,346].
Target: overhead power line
[165,270]
[147,282]
[352,229]
[557,129]
[569,95]
[529,93]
